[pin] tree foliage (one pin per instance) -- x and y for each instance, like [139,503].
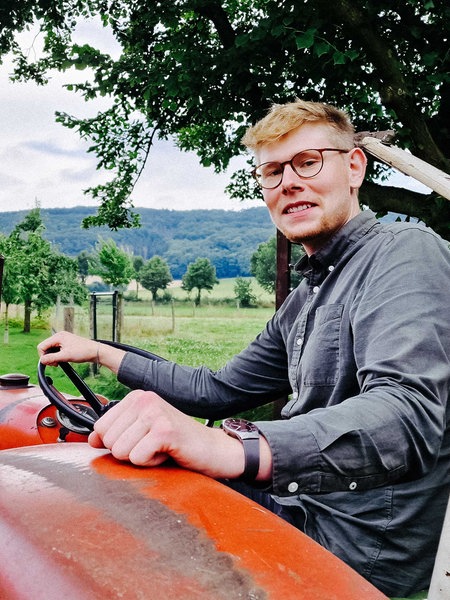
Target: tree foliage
[244,293]
[200,274]
[138,263]
[10,290]
[113,264]
[203,70]
[264,264]
[83,265]
[35,274]
[155,275]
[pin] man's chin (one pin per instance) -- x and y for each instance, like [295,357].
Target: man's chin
[299,237]
[311,240]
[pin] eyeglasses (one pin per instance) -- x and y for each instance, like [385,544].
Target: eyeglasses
[306,164]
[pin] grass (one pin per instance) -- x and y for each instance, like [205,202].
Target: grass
[209,338]
[20,356]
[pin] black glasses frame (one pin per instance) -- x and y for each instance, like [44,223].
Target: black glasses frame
[291,163]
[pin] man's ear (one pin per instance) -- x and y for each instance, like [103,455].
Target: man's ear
[358,164]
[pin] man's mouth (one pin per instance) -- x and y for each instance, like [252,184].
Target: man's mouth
[294,208]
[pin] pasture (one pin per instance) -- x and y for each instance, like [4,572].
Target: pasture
[206,335]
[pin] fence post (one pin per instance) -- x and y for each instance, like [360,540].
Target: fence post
[172,306]
[119,316]
[69,314]
[93,326]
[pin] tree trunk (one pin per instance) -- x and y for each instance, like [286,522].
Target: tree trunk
[6,332]
[27,317]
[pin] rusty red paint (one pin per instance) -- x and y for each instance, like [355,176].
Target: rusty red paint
[103,529]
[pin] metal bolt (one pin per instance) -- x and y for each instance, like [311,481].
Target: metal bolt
[48,422]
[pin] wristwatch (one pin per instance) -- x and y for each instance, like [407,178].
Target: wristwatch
[247,433]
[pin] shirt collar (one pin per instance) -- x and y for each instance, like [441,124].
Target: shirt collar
[339,244]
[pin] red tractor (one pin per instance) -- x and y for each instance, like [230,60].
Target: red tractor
[77,523]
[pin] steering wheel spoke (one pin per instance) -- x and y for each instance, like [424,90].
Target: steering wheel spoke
[67,407]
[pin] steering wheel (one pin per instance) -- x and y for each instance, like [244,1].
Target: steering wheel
[78,413]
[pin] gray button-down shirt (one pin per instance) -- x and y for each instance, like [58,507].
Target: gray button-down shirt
[362,346]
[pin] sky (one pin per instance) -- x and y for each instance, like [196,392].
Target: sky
[43,163]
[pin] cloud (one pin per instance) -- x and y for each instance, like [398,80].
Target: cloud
[53,149]
[43,160]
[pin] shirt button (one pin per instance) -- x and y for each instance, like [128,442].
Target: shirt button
[293,486]
[331,268]
[316,288]
[295,395]
[353,485]
[299,341]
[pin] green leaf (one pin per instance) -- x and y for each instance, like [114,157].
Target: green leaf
[321,47]
[338,58]
[305,39]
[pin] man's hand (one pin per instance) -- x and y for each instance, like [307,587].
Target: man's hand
[146,430]
[73,348]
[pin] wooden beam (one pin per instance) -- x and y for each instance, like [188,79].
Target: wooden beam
[282,289]
[407,163]
[283,281]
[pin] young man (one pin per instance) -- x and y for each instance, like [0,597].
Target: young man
[360,459]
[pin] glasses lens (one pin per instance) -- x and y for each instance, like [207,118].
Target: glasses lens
[269,175]
[308,163]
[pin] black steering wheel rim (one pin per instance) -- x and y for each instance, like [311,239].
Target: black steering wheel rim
[66,406]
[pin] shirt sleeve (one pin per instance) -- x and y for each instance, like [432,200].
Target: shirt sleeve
[395,427]
[252,378]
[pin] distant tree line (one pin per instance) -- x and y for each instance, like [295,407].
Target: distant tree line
[37,275]
[227,238]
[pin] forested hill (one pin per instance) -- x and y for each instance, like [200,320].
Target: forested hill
[227,238]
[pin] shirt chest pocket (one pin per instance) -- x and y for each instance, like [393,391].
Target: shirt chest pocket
[319,364]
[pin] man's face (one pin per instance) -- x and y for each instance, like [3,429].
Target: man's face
[310,211]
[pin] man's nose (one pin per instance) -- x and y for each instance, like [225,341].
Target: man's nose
[290,178]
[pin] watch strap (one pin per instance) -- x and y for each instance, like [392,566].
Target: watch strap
[251,453]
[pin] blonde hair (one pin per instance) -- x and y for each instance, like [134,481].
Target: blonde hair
[283,118]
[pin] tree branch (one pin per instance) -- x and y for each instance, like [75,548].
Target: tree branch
[393,88]
[429,208]
[214,12]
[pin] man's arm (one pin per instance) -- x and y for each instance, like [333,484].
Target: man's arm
[385,420]
[146,430]
[254,377]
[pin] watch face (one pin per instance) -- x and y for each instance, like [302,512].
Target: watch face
[239,425]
